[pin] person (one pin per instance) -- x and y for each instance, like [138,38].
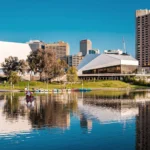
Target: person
[28,93]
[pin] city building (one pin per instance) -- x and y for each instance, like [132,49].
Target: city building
[87,59]
[113,52]
[85,46]
[142,37]
[74,60]
[111,63]
[61,49]
[108,65]
[36,44]
[20,50]
[94,51]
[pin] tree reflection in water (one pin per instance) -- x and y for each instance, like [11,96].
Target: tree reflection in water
[13,108]
[48,110]
[52,113]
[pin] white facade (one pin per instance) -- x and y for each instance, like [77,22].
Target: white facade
[106,60]
[20,50]
[87,59]
[107,115]
[36,44]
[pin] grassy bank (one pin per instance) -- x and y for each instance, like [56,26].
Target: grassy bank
[92,85]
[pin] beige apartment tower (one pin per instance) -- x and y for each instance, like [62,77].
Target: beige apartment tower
[143,37]
[75,60]
[85,46]
[61,49]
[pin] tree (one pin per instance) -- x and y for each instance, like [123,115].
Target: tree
[60,68]
[13,77]
[42,62]
[72,75]
[14,64]
[33,61]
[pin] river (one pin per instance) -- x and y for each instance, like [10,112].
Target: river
[100,120]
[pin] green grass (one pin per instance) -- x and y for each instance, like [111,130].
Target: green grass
[102,84]
[95,85]
[108,93]
[32,84]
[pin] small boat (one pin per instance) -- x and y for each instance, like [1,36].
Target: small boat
[50,91]
[29,96]
[41,90]
[84,90]
[76,90]
[30,99]
[37,91]
[59,90]
[64,90]
[46,91]
[55,90]
[69,90]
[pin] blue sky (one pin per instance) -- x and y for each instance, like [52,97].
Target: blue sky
[104,22]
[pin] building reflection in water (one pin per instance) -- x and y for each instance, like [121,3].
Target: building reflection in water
[55,111]
[85,124]
[143,127]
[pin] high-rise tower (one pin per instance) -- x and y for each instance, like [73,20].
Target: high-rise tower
[85,46]
[143,37]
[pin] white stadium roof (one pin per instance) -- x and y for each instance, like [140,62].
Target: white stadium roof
[107,60]
[87,59]
[20,50]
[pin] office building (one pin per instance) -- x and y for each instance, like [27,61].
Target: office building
[36,44]
[61,49]
[94,51]
[74,60]
[142,37]
[85,46]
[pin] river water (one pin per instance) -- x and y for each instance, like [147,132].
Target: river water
[101,120]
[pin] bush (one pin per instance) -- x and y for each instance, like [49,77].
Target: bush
[13,78]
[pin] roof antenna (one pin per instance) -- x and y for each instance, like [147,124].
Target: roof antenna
[124,46]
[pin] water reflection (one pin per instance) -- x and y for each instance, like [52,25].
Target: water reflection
[84,110]
[143,127]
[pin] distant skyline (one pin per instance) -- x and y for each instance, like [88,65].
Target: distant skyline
[104,22]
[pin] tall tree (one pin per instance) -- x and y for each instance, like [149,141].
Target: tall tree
[33,61]
[42,62]
[14,64]
[60,68]
[13,77]
[72,75]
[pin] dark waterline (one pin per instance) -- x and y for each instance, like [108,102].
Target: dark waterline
[99,120]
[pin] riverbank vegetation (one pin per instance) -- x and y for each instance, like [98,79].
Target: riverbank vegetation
[109,84]
[45,64]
